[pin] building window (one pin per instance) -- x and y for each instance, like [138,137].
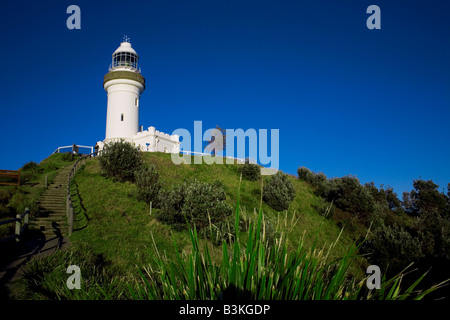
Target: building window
[121,117]
[136,102]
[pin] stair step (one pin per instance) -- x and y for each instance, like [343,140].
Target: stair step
[48,210]
[45,220]
[52,205]
[60,196]
[48,213]
[51,215]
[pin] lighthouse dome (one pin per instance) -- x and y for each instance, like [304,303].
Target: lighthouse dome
[125,58]
[125,47]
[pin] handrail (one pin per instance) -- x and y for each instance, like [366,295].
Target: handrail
[79,146]
[19,228]
[69,205]
[12,174]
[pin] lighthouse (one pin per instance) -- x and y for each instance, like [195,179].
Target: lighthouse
[124,85]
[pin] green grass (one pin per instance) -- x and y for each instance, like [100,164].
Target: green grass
[120,227]
[17,198]
[252,268]
[124,252]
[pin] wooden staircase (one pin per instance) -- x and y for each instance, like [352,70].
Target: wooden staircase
[51,219]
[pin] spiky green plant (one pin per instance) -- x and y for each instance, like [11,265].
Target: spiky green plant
[255,269]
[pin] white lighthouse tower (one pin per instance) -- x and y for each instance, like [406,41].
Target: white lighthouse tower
[124,85]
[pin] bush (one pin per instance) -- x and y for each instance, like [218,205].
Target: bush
[250,171]
[29,166]
[147,182]
[304,174]
[392,246]
[29,171]
[200,202]
[278,192]
[119,160]
[349,195]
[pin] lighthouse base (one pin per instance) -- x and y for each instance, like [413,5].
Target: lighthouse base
[150,140]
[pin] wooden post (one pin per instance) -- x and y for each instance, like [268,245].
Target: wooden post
[46,181]
[27,210]
[67,204]
[70,220]
[17,227]
[150,208]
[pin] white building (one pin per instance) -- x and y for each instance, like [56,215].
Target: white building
[124,85]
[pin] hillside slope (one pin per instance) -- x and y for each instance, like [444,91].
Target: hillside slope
[121,229]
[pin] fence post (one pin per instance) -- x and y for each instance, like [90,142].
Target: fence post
[46,181]
[70,220]
[67,204]
[27,210]
[17,233]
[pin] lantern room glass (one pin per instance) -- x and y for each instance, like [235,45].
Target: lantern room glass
[125,59]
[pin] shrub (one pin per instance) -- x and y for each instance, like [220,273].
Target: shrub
[28,171]
[304,174]
[30,166]
[278,192]
[349,195]
[200,202]
[5,196]
[119,160]
[393,246]
[147,182]
[250,171]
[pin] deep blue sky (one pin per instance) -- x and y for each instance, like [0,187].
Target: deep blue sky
[347,100]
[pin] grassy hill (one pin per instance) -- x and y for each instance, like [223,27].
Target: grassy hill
[118,226]
[125,252]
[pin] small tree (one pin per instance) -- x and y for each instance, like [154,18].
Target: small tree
[119,160]
[305,174]
[250,171]
[200,202]
[147,182]
[279,192]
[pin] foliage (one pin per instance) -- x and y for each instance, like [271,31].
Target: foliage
[250,171]
[425,199]
[31,165]
[200,203]
[278,191]
[262,271]
[393,247]
[28,171]
[147,182]
[110,216]
[220,232]
[45,278]
[5,196]
[119,160]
